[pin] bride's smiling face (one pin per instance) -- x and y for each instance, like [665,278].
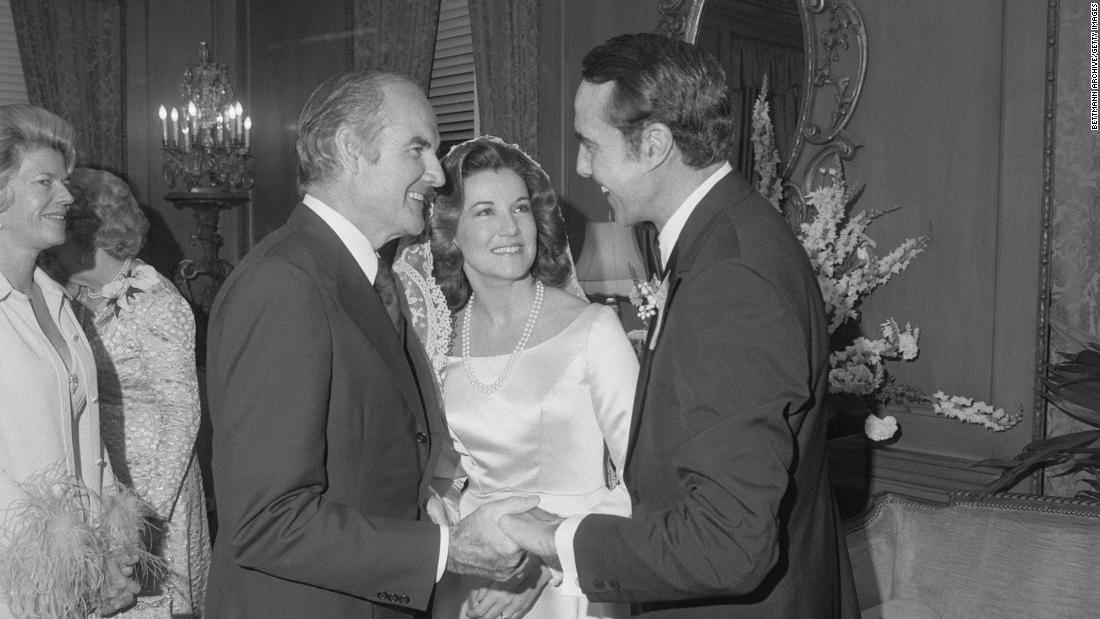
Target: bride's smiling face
[496,229]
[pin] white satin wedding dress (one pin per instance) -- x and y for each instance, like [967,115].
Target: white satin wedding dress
[543,433]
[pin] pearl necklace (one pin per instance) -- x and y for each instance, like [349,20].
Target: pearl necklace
[467,364]
[121,273]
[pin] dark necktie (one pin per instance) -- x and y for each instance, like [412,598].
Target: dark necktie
[386,285]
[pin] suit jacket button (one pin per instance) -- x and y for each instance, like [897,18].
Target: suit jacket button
[599,584]
[404,599]
[614,584]
[634,496]
[421,438]
[382,595]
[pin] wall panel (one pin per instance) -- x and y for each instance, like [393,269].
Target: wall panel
[290,52]
[950,124]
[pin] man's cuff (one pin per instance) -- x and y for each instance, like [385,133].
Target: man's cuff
[563,541]
[444,548]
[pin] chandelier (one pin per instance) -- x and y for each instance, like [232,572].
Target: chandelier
[207,139]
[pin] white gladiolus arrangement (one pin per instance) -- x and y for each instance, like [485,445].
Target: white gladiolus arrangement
[849,269]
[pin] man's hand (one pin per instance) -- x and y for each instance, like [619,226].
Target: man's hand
[480,548]
[511,599]
[534,532]
[122,588]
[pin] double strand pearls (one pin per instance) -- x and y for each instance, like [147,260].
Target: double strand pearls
[467,364]
[121,273]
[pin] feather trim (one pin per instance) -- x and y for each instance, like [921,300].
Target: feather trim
[57,540]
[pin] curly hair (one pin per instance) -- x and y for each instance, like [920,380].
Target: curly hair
[104,214]
[24,128]
[552,264]
[663,80]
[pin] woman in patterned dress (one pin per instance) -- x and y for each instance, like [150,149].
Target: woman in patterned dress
[142,333]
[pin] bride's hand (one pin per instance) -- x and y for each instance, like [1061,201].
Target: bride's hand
[511,599]
[437,509]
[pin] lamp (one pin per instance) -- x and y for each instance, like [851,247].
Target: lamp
[207,140]
[609,261]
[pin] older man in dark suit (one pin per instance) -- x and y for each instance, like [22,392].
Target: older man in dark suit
[326,425]
[733,512]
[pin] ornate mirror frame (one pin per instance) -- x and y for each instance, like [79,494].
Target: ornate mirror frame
[835,43]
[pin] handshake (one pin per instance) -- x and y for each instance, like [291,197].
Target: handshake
[492,541]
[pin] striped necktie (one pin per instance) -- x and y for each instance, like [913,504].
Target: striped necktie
[386,285]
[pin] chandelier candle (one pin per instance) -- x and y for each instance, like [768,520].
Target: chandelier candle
[208,151]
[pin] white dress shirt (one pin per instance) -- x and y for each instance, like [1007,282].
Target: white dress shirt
[670,233]
[352,238]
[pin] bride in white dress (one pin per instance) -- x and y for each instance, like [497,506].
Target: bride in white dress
[538,384]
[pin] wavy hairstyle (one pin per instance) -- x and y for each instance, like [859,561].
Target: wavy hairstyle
[552,264]
[663,80]
[104,214]
[354,99]
[24,128]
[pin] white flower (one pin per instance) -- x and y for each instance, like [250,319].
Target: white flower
[843,255]
[766,160]
[907,344]
[647,297]
[142,277]
[848,269]
[880,428]
[967,410]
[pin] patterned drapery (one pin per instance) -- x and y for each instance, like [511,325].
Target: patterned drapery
[73,60]
[506,57]
[1075,225]
[397,36]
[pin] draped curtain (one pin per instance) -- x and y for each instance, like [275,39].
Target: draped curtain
[73,60]
[746,62]
[397,36]
[506,57]
[1074,295]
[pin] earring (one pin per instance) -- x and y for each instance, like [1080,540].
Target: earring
[84,260]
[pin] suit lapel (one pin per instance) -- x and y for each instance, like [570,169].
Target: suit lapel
[724,195]
[358,299]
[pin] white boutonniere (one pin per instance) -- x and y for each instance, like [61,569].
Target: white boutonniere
[142,277]
[647,297]
[659,298]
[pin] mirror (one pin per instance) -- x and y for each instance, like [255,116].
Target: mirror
[754,42]
[814,84]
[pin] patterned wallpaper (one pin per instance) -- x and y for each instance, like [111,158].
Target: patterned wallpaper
[1075,241]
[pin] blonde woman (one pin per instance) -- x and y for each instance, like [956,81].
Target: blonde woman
[49,411]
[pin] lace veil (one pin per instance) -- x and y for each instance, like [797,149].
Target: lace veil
[428,313]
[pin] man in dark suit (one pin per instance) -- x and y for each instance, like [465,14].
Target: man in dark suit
[326,424]
[733,512]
